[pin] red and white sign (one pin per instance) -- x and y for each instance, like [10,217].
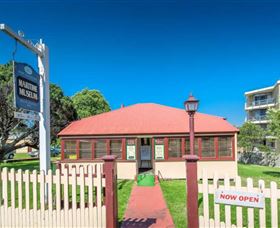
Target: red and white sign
[245,199]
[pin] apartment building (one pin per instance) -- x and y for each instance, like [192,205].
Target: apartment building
[258,102]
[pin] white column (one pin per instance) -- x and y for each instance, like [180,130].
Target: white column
[44,127]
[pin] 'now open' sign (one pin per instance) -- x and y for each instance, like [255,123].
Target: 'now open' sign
[238,198]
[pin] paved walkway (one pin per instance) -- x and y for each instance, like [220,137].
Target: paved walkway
[147,208]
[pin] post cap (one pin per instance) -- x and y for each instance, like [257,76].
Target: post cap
[109,157]
[191,157]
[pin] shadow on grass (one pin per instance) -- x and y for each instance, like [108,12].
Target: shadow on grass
[122,183]
[272,173]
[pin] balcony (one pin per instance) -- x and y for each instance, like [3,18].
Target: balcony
[263,102]
[258,119]
[269,102]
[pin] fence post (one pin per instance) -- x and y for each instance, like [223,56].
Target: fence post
[111,198]
[57,165]
[192,190]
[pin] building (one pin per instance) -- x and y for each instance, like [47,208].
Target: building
[22,150]
[150,136]
[258,102]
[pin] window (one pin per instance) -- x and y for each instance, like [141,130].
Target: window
[130,149]
[207,147]
[159,148]
[116,147]
[159,141]
[70,150]
[174,148]
[100,148]
[187,146]
[85,149]
[225,146]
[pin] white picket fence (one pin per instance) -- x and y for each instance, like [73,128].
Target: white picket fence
[207,189]
[73,200]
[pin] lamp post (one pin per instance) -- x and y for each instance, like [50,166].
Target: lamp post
[191,106]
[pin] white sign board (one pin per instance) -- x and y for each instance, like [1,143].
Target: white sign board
[130,152]
[238,198]
[159,151]
[26,116]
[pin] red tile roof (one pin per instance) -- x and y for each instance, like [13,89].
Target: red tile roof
[146,119]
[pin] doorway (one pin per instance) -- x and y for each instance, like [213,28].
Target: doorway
[145,158]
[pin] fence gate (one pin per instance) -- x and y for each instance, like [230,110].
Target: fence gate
[75,198]
[218,215]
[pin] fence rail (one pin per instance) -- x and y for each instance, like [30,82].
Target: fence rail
[66,198]
[254,216]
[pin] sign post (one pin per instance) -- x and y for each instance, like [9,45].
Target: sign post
[43,64]
[41,50]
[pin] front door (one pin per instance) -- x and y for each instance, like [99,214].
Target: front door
[145,154]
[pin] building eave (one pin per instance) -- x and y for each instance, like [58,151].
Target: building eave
[262,90]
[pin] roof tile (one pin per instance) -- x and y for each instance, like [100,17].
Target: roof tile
[147,118]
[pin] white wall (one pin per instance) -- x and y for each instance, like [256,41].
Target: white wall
[126,170]
[177,169]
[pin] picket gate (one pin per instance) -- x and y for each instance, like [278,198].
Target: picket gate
[74,199]
[208,188]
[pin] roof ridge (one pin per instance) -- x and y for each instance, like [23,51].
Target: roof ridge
[206,114]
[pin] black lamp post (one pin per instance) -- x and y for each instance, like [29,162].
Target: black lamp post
[191,106]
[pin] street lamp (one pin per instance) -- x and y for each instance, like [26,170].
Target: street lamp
[191,106]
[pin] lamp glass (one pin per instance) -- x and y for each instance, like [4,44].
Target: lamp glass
[191,104]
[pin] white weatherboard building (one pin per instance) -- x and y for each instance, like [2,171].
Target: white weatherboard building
[258,102]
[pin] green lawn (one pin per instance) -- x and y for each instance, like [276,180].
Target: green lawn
[24,165]
[175,194]
[124,190]
[257,172]
[21,156]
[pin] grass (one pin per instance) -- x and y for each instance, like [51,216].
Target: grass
[257,172]
[24,165]
[174,192]
[124,190]
[21,156]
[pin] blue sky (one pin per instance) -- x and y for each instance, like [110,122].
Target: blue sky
[154,51]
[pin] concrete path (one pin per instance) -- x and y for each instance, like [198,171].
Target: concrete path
[147,208]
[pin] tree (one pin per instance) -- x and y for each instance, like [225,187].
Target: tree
[251,136]
[274,122]
[89,103]
[16,133]
[62,111]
